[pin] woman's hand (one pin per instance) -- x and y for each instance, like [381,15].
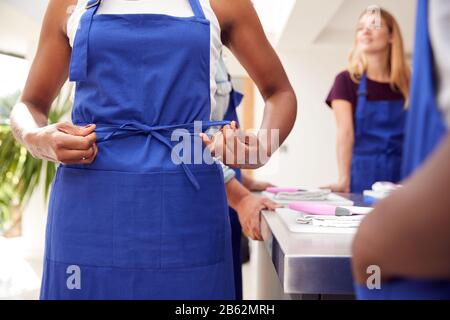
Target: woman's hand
[255,185]
[63,143]
[237,149]
[342,186]
[249,211]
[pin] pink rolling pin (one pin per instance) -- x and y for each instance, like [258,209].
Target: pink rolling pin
[314,208]
[328,210]
[278,190]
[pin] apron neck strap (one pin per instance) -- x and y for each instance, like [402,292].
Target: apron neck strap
[362,91]
[93,4]
[197,9]
[78,63]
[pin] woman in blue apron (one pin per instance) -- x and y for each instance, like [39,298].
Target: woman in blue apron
[413,252]
[127,219]
[371,116]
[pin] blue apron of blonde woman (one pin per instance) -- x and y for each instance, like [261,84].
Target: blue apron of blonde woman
[379,131]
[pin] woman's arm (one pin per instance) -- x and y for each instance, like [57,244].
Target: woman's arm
[344,145]
[408,233]
[248,207]
[254,185]
[61,142]
[243,34]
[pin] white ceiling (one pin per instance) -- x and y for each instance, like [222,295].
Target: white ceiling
[291,24]
[332,22]
[273,16]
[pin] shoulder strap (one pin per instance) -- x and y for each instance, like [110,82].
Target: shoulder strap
[197,9]
[78,63]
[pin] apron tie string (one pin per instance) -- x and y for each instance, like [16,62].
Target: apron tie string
[132,128]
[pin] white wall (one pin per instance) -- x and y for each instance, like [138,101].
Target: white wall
[20,25]
[308,157]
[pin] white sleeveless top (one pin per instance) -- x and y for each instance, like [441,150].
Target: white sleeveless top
[180,8]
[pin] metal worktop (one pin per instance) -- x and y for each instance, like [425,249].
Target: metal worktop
[309,263]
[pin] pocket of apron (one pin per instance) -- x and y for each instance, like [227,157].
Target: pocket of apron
[137,220]
[196,223]
[81,226]
[107,218]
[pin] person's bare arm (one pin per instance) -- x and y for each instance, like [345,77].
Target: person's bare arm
[344,143]
[62,142]
[254,185]
[249,207]
[408,234]
[243,34]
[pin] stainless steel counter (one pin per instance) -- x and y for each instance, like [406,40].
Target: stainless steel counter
[309,263]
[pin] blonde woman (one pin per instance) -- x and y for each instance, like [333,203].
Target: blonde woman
[369,101]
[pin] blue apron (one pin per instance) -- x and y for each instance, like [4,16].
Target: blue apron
[236,229]
[377,152]
[425,126]
[425,129]
[134,224]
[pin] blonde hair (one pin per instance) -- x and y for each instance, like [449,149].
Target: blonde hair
[399,69]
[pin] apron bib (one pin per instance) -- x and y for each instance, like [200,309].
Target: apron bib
[134,224]
[425,125]
[377,152]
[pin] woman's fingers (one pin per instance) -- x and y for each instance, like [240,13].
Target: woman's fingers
[255,222]
[69,136]
[72,142]
[95,153]
[91,138]
[256,231]
[91,159]
[271,205]
[216,145]
[75,130]
[253,231]
[75,144]
[210,144]
[337,187]
[234,147]
[76,156]
[205,139]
